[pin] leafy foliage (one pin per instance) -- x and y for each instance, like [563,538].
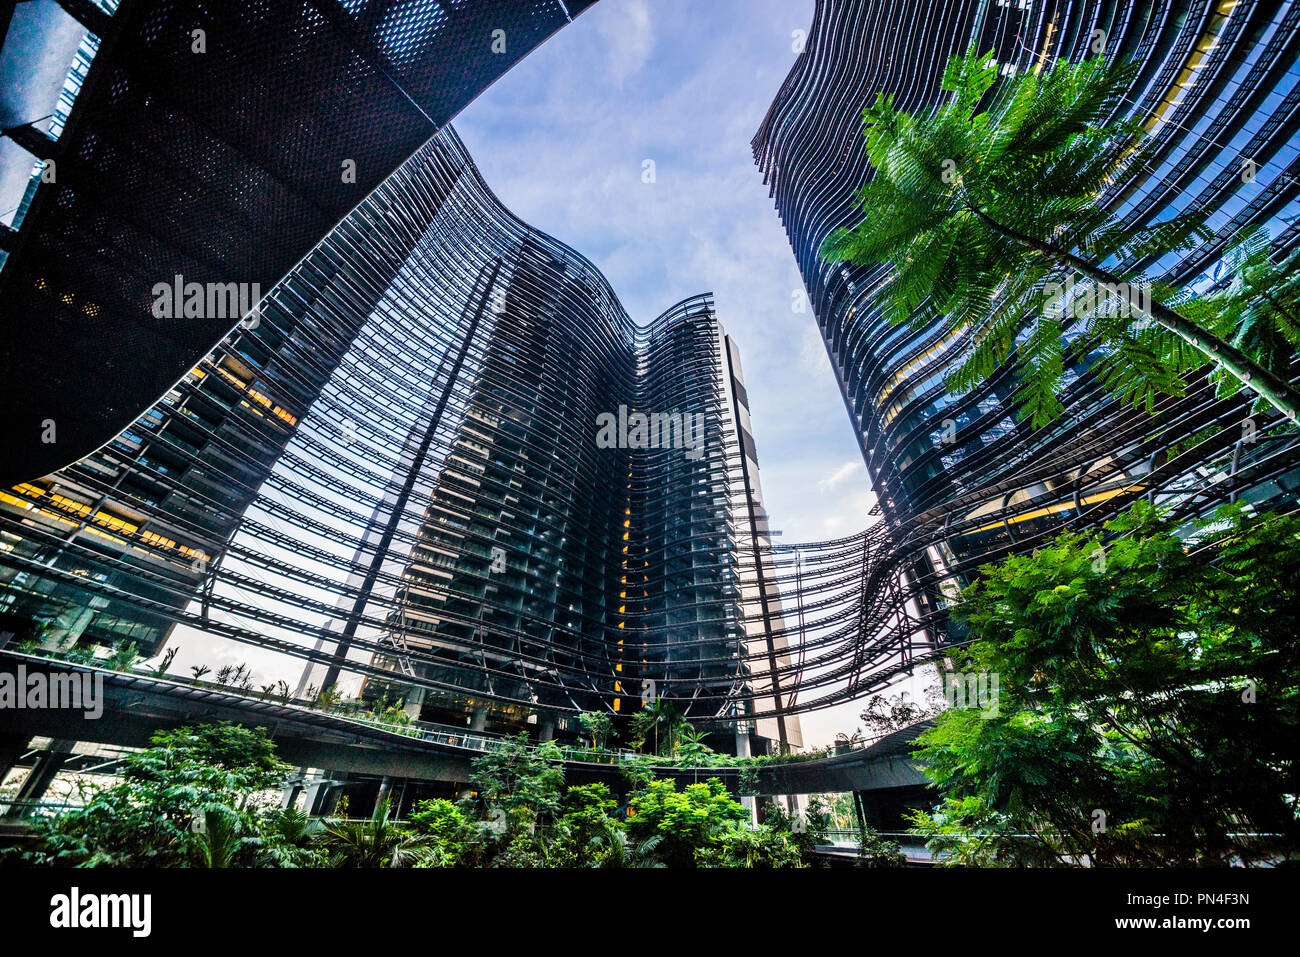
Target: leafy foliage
[205,797]
[599,725]
[681,822]
[197,796]
[985,207]
[376,842]
[1149,708]
[885,715]
[660,724]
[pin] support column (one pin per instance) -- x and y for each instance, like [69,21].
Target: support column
[42,774]
[385,789]
[289,797]
[545,728]
[747,801]
[414,702]
[12,747]
[319,800]
[478,720]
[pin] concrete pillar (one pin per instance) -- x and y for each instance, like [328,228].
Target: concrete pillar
[747,801]
[12,747]
[318,801]
[398,796]
[478,720]
[545,728]
[42,774]
[292,790]
[414,702]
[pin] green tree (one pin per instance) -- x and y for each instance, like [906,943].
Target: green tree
[525,784]
[984,205]
[590,834]
[660,723]
[599,725]
[675,824]
[376,842]
[197,795]
[691,750]
[884,714]
[1148,699]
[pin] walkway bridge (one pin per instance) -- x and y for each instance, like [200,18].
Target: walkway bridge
[136,705]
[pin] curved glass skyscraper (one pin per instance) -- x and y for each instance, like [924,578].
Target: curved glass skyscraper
[960,480]
[440,457]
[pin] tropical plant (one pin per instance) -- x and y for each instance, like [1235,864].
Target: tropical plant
[160,670]
[517,785]
[124,657]
[661,723]
[692,752]
[987,205]
[589,833]
[287,838]
[155,815]
[220,838]
[328,699]
[375,842]
[875,851]
[1256,304]
[599,725]
[682,821]
[1148,699]
[759,848]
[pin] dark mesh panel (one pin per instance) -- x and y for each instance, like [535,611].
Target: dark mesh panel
[224,166]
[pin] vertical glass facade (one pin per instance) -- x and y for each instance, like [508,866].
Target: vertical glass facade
[441,459]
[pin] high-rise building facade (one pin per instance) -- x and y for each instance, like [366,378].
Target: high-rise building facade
[440,458]
[960,480]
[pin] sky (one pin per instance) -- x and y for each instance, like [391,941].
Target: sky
[563,139]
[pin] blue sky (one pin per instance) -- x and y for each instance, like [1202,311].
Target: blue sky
[562,139]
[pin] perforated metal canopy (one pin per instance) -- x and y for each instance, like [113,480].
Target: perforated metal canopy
[220,166]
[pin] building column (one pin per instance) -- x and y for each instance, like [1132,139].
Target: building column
[320,799]
[545,728]
[289,797]
[414,702]
[747,801]
[385,789]
[478,720]
[42,774]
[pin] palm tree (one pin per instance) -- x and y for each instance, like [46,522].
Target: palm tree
[981,212]
[377,842]
[661,719]
[222,837]
[694,752]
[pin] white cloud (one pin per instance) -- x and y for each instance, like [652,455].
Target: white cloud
[629,38]
[840,474]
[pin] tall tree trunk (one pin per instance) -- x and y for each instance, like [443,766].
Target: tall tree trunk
[1273,388]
